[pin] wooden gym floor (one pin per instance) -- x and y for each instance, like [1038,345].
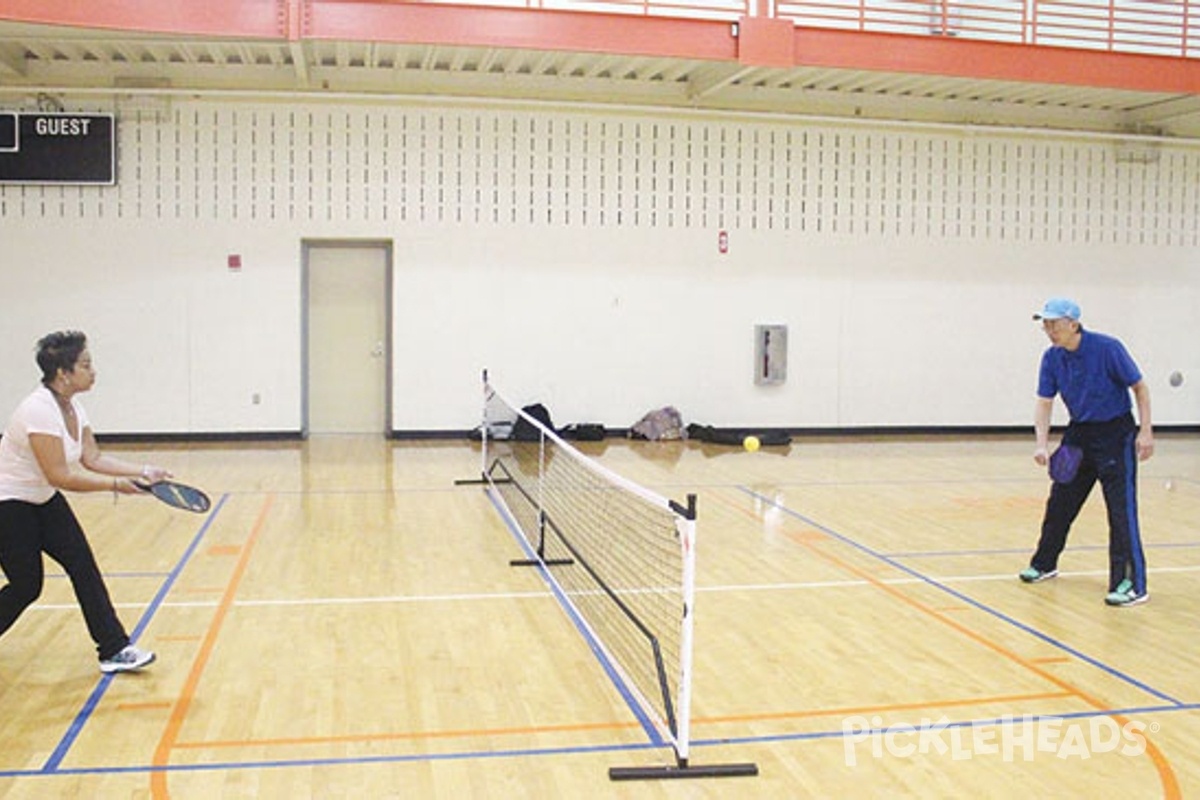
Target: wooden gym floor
[345,623]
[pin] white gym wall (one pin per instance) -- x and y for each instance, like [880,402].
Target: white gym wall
[574,253]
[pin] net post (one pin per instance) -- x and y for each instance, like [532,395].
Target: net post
[483,428]
[683,768]
[483,442]
[687,543]
[541,484]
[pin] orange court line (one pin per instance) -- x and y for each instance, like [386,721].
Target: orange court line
[1170,783]
[847,712]
[602,726]
[410,735]
[162,753]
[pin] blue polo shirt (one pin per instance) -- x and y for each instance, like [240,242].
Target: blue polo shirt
[1093,380]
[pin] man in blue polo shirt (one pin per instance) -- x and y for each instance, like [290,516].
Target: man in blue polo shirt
[1093,374]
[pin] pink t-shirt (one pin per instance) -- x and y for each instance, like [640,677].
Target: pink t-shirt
[21,478]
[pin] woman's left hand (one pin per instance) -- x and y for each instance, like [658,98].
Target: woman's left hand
[153,474]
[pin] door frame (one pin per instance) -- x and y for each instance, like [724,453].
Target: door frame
[306,246]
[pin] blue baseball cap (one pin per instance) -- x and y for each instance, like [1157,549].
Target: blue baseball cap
[1057,308]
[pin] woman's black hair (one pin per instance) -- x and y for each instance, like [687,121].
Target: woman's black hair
[59,350]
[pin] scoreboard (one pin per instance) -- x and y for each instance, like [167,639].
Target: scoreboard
[58,147]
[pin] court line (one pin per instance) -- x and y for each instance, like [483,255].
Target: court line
[602,726]
[60,751]
[938,584]
[162,753]
[899,554]
[545,595]
[1112,713]
[715,589]
[423,735]
[420,736]
[764,716]
[112,575]
[993,576]
[724,741]
[1025,550]
[1170,782]
[616,747]
[624,687]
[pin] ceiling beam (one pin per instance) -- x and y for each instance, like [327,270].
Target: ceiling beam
[965,58]
[615,34]
[713,79]
[299,53]
[534,29]
[1165,111]
[11,63]
[249,19]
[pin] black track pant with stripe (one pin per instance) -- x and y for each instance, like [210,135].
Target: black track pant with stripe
[1110,457]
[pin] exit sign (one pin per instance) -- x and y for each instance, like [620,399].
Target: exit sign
[57,148]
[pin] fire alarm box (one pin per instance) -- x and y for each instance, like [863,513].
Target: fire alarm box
[770,354]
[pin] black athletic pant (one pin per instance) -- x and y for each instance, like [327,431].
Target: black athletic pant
[1109,456]
[26,531]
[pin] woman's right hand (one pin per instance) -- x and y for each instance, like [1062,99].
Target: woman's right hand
[126,486]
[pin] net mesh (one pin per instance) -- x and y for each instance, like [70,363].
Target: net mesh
[619,553]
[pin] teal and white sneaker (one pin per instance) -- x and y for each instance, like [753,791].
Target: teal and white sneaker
[1124,595]
[1035,575]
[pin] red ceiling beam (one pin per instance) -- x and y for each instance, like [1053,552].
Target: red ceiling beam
[247,19]
[417,23]
[764,43]
[384,21]
[935,55]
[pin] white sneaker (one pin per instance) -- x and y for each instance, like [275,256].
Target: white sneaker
[130,659]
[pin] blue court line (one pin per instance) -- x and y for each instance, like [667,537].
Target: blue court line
[463,755]
[970,723]
[644,719]
[535,752]
[968,600]
[85,713]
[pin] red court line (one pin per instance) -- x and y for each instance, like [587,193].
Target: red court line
[1170,782]
[162,753]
